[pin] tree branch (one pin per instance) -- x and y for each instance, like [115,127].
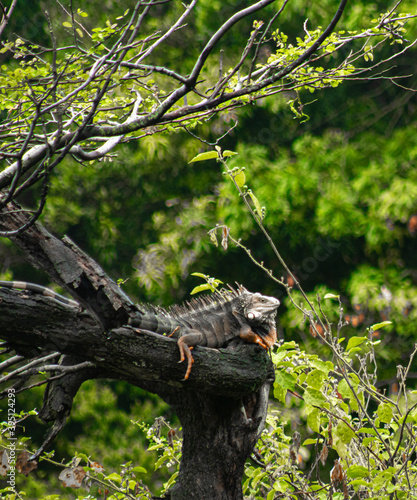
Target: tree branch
[6,16]
[140,357]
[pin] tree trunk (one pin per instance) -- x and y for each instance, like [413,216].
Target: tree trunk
[219,435]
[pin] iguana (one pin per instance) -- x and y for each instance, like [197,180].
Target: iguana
[214,321]
[207,321]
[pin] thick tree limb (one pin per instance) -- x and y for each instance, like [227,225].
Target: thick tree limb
[142,358]
[222,405]
[69,267]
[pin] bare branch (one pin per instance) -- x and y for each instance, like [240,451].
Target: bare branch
[25,369]
[6,16]
[220,33]
[174,27]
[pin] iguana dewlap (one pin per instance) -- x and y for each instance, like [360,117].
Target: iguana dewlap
[213,321]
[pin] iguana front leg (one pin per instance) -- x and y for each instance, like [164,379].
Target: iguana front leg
[185,344]
[250,336]
[270,339]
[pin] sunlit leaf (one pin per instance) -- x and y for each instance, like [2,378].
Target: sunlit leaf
[309,441]
[377,326]
[140,470]
[201,288]
[356,471]
[355,341]
[255,200]
[285,380]
[228,153]
[313,420]
[209,155]
[315,379]
[314,397]
[344,432]
[114,477]
[240,178]
[199,275]
[385,412]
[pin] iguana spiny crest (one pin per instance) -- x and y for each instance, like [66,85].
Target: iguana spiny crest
[213,321]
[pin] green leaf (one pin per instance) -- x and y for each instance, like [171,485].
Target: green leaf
[314,397]
[331,296]
[367,430]
[171,481]
[313,420]
[344,389]
[356,471]
[200,275]
[315,379]
[367,441]
[358,482]
[289,345]
[240,178]
[201,288]
[209,155]
[83,456]
[285,380]
[355,341]
[255,200]
[271,495]
[279,393]
[382,478]
[228,153]
[140,470]
[377,326]
[309,441]
[114,477]
[67,24]
[344,432]
[281,485]
[323,366]
[384,412]
[161,460]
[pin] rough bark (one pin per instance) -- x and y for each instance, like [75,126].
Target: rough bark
[219,435]
[222,406]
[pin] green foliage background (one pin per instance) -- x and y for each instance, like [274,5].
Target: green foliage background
[340,192]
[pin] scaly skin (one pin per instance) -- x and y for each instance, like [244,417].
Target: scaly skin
[23,285]
[214,321]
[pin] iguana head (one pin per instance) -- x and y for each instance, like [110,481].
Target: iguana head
[259,308]
[260,311]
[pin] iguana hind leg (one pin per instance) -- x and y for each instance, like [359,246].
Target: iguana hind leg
[185,344]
